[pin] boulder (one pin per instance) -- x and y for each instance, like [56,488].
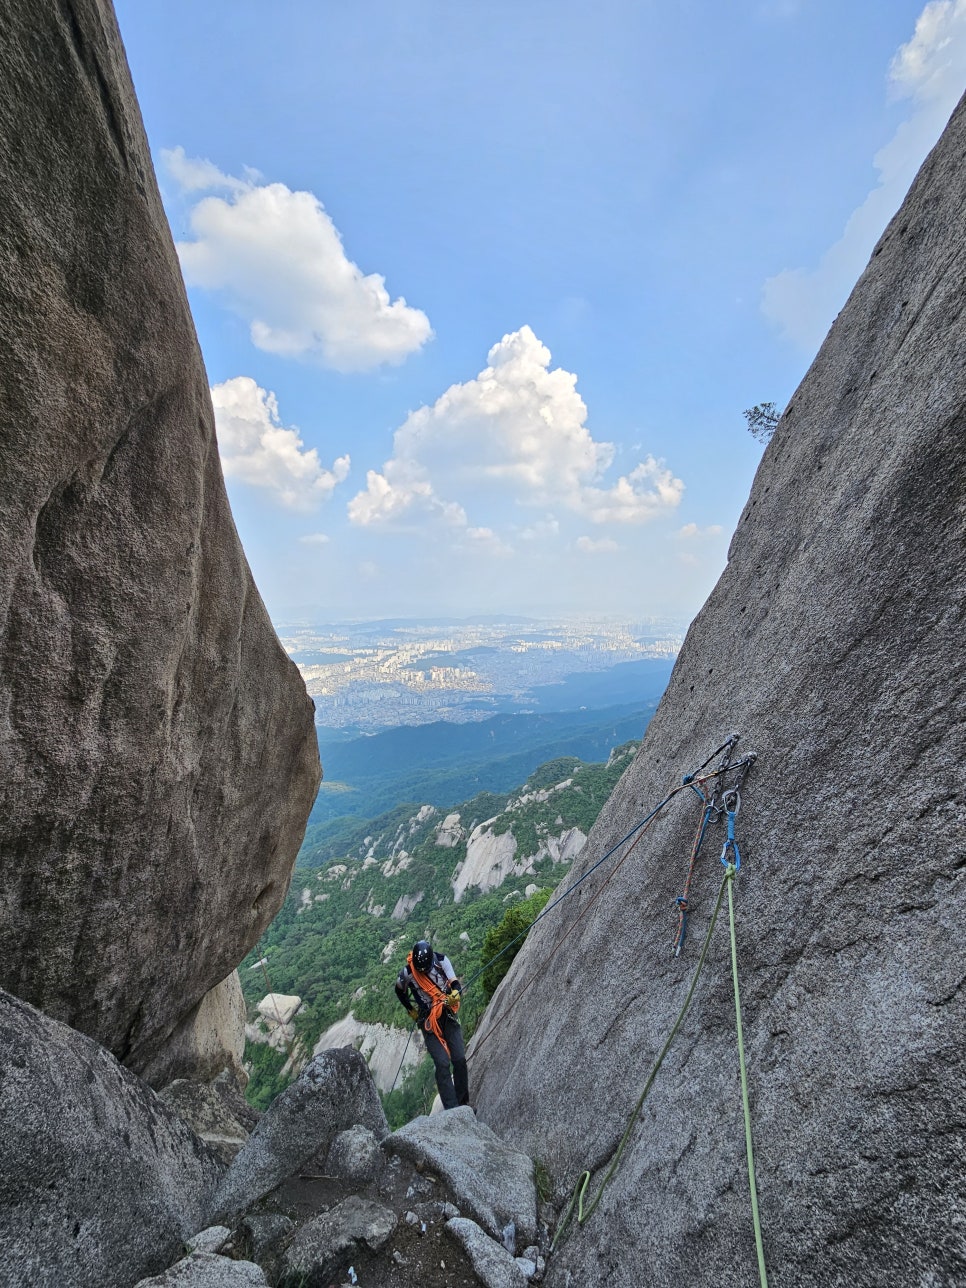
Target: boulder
[354,1155]
[265,1230]
[333,1092]
[487,1177]
[157,746]
[228,1088]
[204,1270]
[492,1264]
[206,1113]
[323,1243]
[100,1183]
[278,1008]
[212,1239]
[833,643]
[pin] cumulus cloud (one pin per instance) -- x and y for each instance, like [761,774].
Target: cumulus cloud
[588,546]
[485,539]
[542,529]
[278,259]
[314,539]
[692,532]
[257,449]
[517,431]
[930,69]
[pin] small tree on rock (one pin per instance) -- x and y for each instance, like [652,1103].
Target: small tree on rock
[762,419]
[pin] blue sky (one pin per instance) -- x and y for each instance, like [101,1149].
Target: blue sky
[483,289]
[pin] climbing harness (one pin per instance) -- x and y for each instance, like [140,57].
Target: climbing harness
[438,1000]
[731,861]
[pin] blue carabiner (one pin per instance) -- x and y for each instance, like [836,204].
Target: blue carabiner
[731,843]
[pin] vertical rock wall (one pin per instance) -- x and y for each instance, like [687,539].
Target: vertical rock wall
[834,643]
[157,750]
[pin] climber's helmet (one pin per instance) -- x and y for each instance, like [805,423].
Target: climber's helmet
[422,955]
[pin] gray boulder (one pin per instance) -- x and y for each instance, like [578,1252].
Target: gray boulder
[204,1270]
[321,1244]
[206,1113]
[229,1087]
[833,643]
[211,1239]
[487,1177]
[157,747]
[354,1155]
[333,1092]
[492,1264]
[100,1183]
[265,1230]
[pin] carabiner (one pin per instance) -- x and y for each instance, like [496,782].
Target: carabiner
[731,800]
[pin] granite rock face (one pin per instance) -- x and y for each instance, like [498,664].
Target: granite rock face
[834,643]
[207,1042]
[208,1116]
[157,749]
[100,1184]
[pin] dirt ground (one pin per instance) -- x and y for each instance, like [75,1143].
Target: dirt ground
[417,1255]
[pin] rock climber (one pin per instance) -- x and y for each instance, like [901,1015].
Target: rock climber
[429,990]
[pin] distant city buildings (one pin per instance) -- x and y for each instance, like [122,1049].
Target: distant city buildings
[375,675]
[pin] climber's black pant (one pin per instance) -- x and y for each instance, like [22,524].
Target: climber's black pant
[451,1095]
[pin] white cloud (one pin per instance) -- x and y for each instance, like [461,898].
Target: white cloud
[516,431]
[279,260]
[588,546]
[485,539]
[691,531]
[314,539]
[930,69]
[542,529]
[257,449]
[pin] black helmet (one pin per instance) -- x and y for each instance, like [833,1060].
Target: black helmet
[422,955]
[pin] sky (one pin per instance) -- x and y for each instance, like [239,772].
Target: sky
[483,289]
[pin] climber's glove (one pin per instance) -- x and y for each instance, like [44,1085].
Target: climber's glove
[453,997]
[413,1013]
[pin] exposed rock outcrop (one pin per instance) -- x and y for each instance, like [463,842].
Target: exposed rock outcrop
[100,1183]
[386,1050]
[834,643]
[491,857]
[492,1264]
[157,747]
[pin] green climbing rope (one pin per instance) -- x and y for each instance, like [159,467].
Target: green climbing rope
[580,1191]
[581,1187]
[753,1188]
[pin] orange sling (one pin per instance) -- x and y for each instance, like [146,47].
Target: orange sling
[438,1000]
